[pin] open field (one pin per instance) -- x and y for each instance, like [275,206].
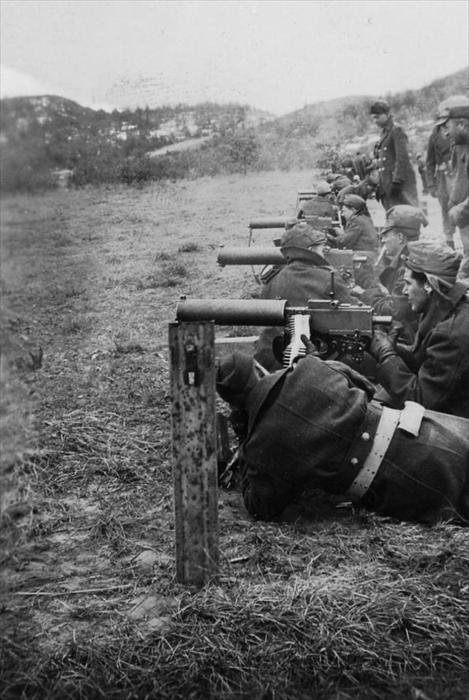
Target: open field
[333,605]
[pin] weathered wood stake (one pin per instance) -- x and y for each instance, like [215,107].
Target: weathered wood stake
[192,377]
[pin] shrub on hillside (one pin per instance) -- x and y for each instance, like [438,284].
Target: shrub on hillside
[24,171]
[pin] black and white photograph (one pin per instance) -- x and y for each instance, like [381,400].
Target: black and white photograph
[234,350]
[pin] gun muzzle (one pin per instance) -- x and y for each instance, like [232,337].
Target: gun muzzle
[232,312]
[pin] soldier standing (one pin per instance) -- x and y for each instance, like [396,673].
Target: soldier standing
[438,166]
[458,128]
[397,182]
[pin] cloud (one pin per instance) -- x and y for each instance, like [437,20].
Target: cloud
[15,83]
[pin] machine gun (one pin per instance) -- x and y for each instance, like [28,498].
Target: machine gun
[344,262]
[340,329]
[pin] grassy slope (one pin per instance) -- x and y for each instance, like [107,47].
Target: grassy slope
[334,605]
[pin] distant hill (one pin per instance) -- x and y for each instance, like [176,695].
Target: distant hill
[344,123]
[160,126]
[47,135]
[43,135]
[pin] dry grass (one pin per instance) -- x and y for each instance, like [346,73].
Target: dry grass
[328,604]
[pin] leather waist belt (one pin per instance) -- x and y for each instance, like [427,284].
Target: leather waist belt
[386,427]
[408,420]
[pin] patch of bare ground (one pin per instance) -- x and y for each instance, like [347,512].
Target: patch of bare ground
[329,603]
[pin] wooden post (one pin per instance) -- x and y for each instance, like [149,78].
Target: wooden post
[192,377]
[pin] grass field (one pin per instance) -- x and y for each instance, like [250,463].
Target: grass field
[337,604]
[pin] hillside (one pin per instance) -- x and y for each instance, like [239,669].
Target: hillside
[344,123]
[46,134]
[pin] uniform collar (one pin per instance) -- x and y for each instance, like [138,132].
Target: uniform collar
[389,124]
[396,261]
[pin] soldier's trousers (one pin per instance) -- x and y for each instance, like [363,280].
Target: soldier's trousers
[464,233]
[443,198]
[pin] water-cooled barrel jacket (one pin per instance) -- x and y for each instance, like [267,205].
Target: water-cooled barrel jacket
[312,426]
[297,282]
[395,167]
[435,371]
[317,206]
[359,234]
[438,155]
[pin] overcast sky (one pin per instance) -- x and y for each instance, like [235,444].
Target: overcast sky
[272,54]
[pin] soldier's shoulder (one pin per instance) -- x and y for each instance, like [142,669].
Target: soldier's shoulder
[398,128]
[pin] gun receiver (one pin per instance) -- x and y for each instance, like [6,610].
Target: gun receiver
[343,328]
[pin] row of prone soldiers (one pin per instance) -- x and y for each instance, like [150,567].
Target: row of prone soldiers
[390,433]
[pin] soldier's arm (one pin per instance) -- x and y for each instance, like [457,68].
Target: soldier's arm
[264,500]
[436,379]
[349,238]
[402,155]
[431,161]
[459,214]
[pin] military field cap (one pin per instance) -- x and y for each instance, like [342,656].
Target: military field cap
[406,219]
[302,235]
[323,187]
[380,107]
[340,182]
[330,177]
[236,377]
[353,201]
[439,264]
[461,112]
[445,108]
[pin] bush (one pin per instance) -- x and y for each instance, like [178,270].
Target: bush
[22,171]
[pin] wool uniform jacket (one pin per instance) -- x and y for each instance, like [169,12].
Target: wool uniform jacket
[459,190]
[313,425]
[359,234]
[395,167]
[438,160]
[435,370]
[317,206]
